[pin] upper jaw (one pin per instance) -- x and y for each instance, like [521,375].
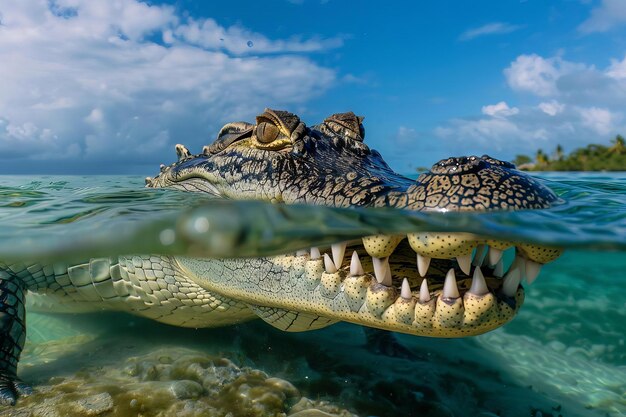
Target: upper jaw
[394,259]
[454,184]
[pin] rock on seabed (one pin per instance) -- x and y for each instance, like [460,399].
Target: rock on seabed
[170,382]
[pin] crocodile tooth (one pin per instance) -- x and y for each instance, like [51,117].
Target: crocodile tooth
[405,290]
[338,250]
[494,255]
[424,293]
[465,263]
[422,264]
[387,280]
[329,266]
[450,289]
[355,265]
[532,271]
[315,253]
[479,286]
[498,271]
[301,252]
[481,251]
[511,282]
[519,264]
[486,257]
[380,269]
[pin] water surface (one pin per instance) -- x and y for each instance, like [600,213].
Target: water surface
[564,354]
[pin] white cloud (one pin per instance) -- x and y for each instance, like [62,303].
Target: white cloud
[57,103]
[504,138]
[96,116]
[602,121]
[569,82]
[551,108]
[495,28]
[617,69]
[532,128]
[585,105]
[499,110]
[207,33]
[89,79]
[606,16]
[404,137]
[538,75]
[488,135]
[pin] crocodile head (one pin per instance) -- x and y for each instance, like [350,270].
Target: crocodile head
[431,284]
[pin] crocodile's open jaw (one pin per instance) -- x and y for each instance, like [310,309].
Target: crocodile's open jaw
[415,294]
[432,284]
[380,281]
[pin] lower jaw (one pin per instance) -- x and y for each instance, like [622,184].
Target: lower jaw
[308,286]
[361,299]
[447,302]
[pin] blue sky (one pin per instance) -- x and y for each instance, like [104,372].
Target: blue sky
[96,86]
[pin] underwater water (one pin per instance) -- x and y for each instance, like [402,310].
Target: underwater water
[563,355]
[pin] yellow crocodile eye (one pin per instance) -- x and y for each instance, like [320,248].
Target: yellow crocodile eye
[266,132]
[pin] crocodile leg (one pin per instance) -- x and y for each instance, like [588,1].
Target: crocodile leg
[12,336]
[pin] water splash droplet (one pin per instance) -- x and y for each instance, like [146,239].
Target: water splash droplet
[201,224]
[167,237]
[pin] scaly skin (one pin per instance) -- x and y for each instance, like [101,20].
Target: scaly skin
[279,159]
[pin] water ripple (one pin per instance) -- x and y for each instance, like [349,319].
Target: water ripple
[109,215]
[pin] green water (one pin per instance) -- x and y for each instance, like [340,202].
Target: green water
[565,353]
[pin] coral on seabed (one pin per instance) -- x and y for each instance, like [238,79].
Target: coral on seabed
[167,382]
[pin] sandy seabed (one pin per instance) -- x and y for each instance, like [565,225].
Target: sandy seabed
[113,364]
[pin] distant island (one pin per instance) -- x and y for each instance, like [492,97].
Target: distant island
[593,157]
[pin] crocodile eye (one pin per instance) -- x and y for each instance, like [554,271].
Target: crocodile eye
[266,132]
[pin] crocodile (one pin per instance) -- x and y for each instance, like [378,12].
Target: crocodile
[427,283]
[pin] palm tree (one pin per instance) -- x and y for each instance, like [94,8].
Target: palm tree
[619,147]
[541,158]
[559,153]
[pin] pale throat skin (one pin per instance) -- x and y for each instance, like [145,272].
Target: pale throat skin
[425,284]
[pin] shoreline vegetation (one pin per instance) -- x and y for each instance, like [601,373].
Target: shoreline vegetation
[593,157]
